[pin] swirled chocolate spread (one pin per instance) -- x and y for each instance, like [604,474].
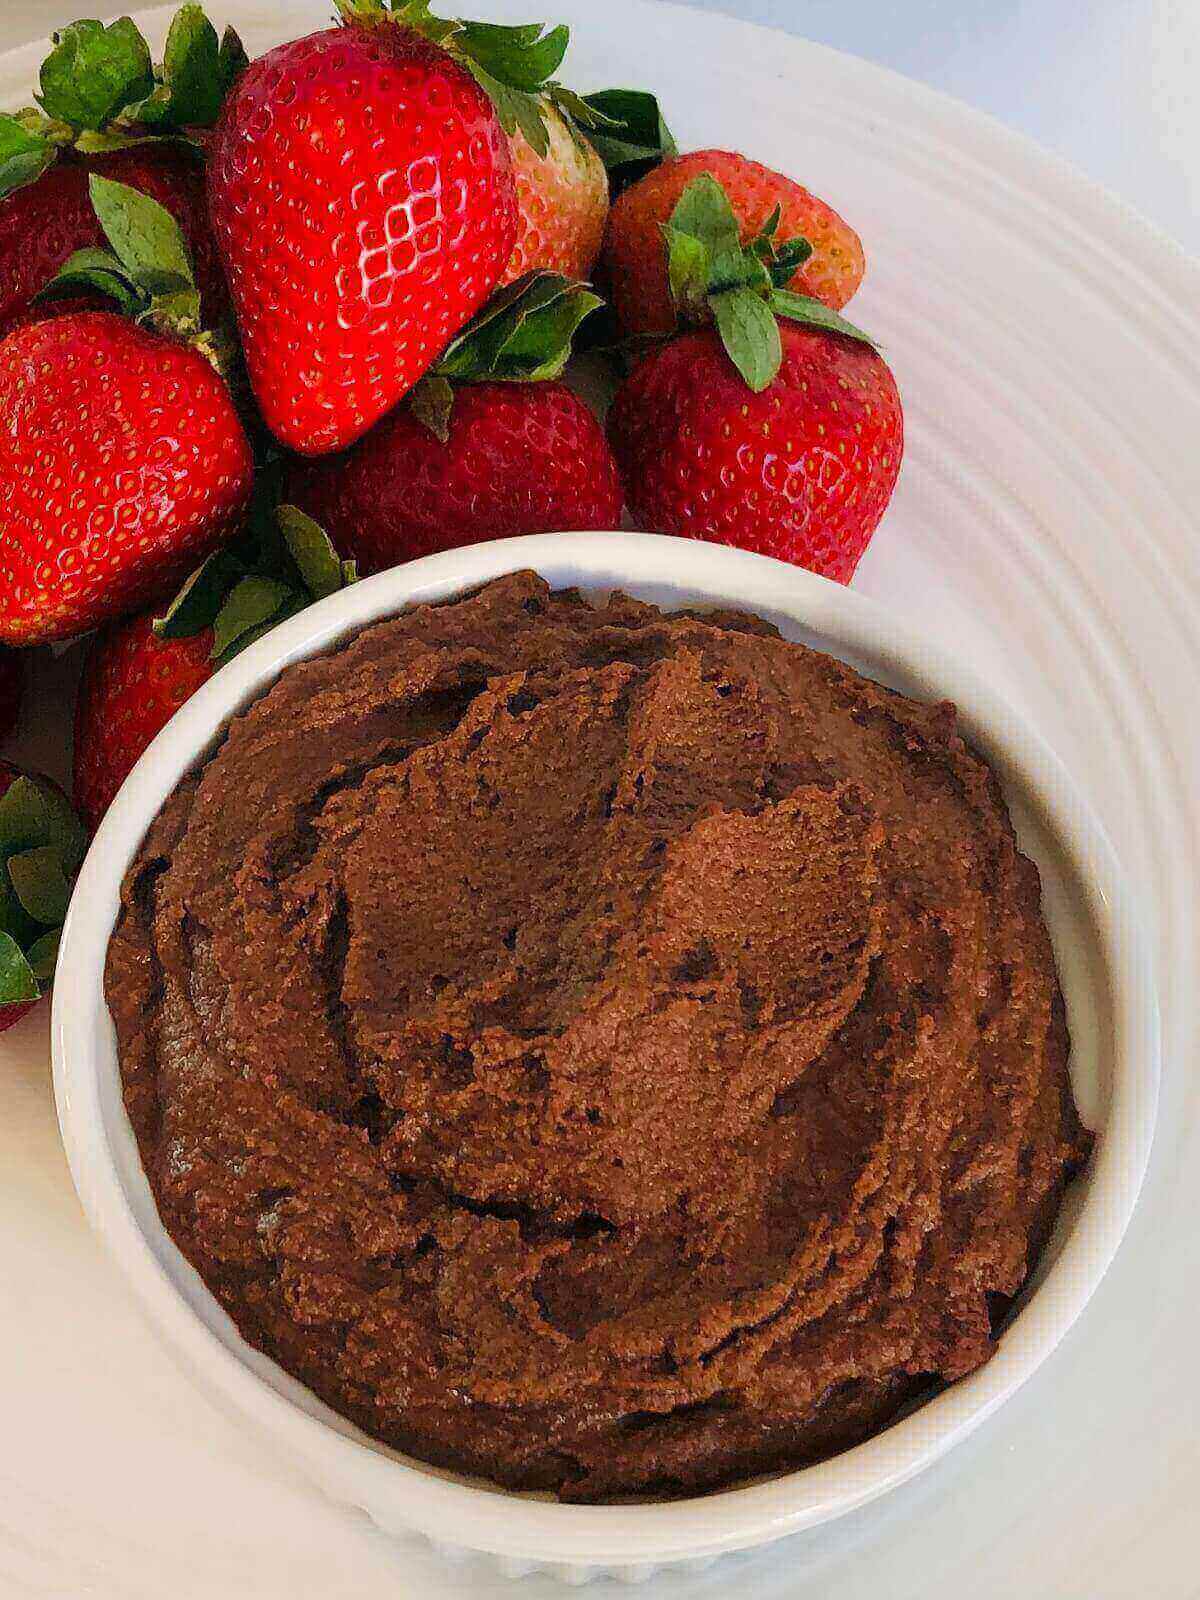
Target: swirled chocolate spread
[606,1051]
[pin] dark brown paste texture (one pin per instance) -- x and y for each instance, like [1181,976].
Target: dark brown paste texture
[601,1050]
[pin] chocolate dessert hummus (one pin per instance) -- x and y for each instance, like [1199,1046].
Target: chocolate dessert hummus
[605,1051]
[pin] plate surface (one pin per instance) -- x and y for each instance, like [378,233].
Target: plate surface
[1045,527]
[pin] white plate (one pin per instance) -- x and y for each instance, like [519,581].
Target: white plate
[1046,344]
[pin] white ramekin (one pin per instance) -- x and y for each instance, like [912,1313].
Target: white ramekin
[1106,977]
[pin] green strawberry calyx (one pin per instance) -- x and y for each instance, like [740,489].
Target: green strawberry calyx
[100,90]
[29,143]
[514,65]
[41,846]
[524,334]
[146,270]
[634,138]
[741,287]
[281,563]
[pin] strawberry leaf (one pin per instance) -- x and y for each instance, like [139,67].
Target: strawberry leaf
[802,308]
[703,210]
[42,955]
[291,607]
[150,250]
[13,920]
[735,268]
[519,57]
[193,79]
[41,846]
[232,58]
[277,565]
[784,263]
[523,334]
[771,226]
[750,334]
[412,13]
[636,137]
[711,272]
[577,108]
[18,982]
[24,156]
[515,68]
[90,143]
[253,601]
[144,235]
[312,550]
[705,256]
[431,402]
[62,827]
[196,605]
[513,65]
[192,69]
[40,884]
[93,270]
[94,72]
[514,107]
[689,262]
[25,820]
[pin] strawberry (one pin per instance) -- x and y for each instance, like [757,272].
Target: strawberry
[45,310]
[516,460]
[140,671]
[802,470]
[104,108]
[783,437]
[132,685]
[361,189]
[41,846]
[12,692]
[510,451]
[635,259]
[42,224]
[562,202]
[563,189]
[122,459]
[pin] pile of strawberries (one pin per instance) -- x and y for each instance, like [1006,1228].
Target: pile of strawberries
[266,325]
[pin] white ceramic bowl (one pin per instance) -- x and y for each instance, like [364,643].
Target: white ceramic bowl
[1115,1065]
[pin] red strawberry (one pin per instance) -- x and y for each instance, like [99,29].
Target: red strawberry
[40,226]
[122,462]
[140,671]
[519,458]
[562,200]
[362,194]
[802,470]
[41,846]
[12,691]
[45,222]
[489,445]
[66,305]
[133,683]
[635,257]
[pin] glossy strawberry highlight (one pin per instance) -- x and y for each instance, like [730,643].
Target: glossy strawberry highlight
[122,463]
[362,194]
